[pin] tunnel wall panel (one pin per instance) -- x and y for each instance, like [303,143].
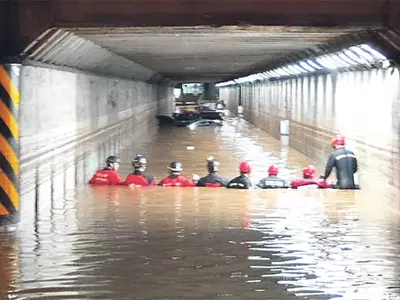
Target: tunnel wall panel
[58,107]
[364,106]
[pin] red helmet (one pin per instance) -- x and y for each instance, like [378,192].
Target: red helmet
[338,140]
[244,167]
[309,171]
[273,170]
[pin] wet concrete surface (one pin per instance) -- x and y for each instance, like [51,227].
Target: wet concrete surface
[82,242]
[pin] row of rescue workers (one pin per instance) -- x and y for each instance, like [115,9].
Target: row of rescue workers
[342,159]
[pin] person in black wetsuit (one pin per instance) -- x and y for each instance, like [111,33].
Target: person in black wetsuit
[212,179]
[242,181]
[345,163]
[273,181]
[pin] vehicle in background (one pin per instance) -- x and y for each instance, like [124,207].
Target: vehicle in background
[205,123]
[184,116]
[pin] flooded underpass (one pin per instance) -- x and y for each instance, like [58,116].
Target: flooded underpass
[82,242]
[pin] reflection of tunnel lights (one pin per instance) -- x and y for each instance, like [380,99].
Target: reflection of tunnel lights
[308,256]
[362,55]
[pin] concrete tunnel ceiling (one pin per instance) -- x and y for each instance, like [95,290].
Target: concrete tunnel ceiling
[185,54]
[210,54]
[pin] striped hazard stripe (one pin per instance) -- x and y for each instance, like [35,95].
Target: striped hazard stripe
[9,142]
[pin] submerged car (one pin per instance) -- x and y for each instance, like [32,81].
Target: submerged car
[205,123]
[182,119]
[186,118]
[212,115]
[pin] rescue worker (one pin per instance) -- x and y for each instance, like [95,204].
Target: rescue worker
[212,179]
[309,180]
[109,175]
[242,181]
[175,179]
[137,178]
[345,163]
[273,181]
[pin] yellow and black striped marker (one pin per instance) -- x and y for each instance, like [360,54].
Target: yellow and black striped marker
[9,143]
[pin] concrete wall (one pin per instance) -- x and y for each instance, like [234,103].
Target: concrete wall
[61,108]
[364,106]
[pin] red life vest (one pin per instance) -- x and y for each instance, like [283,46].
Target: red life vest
[324,185]
[139,180]
[179,181]
[106,177]
[213,184]
[304,182]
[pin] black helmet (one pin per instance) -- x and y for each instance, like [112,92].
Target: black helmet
[112,159]
[176,166]
[139,161]
[212,165]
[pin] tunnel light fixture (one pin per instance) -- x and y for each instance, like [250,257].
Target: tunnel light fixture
[346,58]
[294,70]
[355,57]
[360,56]
[288,71]
[281,72]
[306,66]
[314,65]
[257,77]
[285,71]
[300,69]
[275,73]
[375,53]
[365,55]
[264,75]
[327,63]
[227,83]
[340,61]
[246,79]
[260,76]
[268,74]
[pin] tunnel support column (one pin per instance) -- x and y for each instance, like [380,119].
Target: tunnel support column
[9,144]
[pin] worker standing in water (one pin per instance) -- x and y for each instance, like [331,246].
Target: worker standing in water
[137,178]
[243,180]
[109,175]
[212,179]
[309,180]
[175,179]
[345,163]
[273,181]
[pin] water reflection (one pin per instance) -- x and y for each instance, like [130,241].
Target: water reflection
[77,242]
[9,263]
[323,244]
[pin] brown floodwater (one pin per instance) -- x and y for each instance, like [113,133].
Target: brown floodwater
[80,242]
